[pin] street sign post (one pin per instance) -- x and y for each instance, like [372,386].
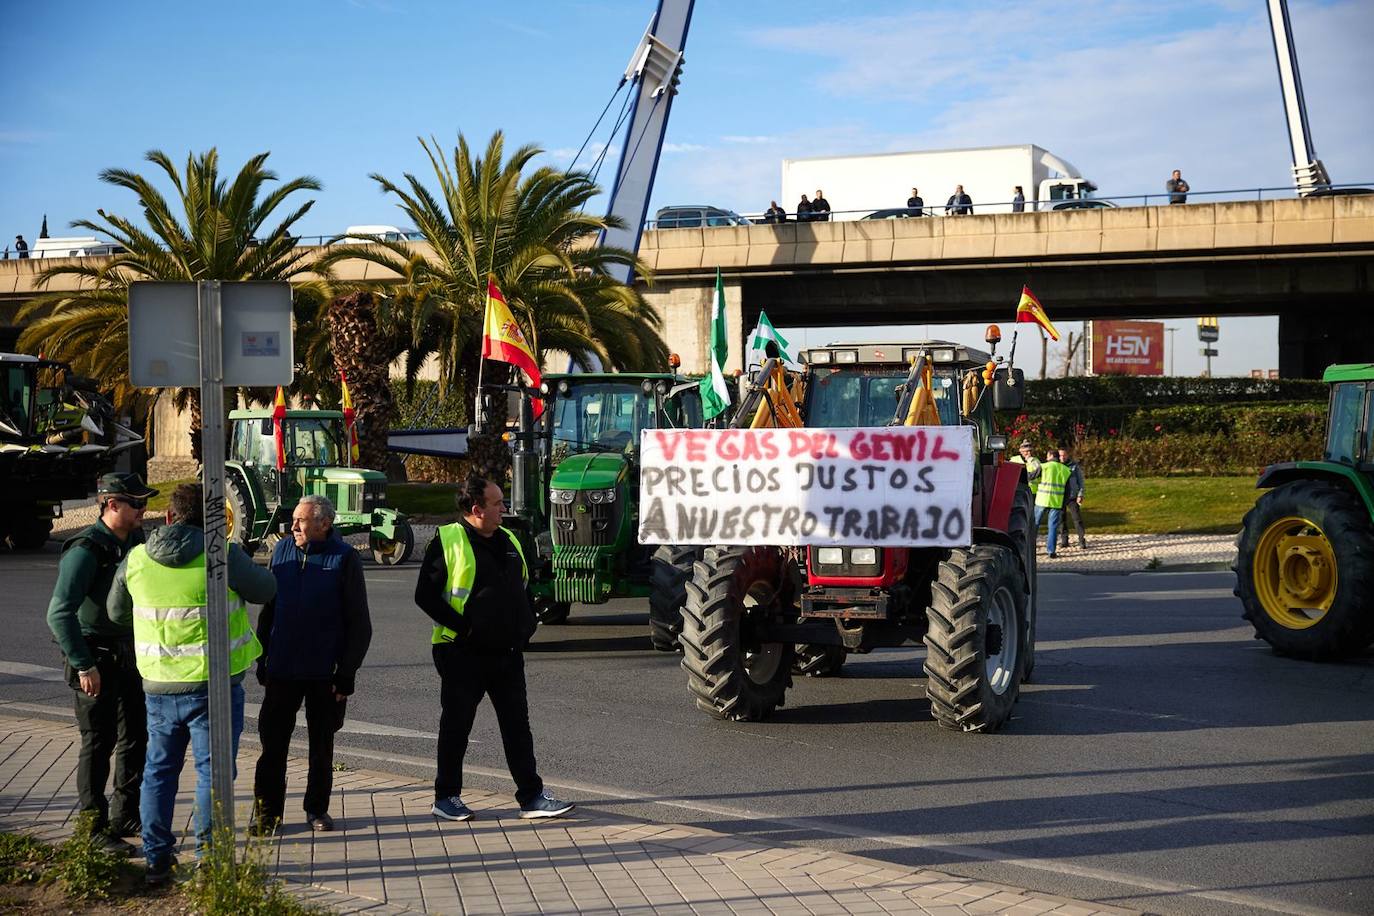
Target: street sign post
[177,339]
[1208,331]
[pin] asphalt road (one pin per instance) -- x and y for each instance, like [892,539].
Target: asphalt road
[1163,759]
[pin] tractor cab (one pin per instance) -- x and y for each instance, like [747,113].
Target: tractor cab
[260,498]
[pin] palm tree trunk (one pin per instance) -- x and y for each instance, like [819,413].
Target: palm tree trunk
[363,352]
[193,405]
[488,454]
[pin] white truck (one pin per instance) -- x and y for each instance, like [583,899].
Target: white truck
[860,186]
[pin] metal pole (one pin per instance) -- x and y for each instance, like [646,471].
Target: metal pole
[216,554]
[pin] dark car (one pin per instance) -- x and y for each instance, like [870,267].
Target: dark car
[1083,203]
[892,213]
[696,217]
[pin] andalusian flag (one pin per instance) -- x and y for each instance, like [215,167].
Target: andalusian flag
[279,434]
[1030,309]
[350,417]
[765,336]
[715,393]
[502,339]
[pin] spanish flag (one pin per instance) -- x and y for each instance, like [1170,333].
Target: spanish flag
[279,415]
[350,417]
[502,339]
[1030,309]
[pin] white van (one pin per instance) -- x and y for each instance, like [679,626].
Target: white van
[355,235]
[73,247]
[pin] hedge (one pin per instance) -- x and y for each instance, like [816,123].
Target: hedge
[1143,391]
[1305,419]
[1190,454]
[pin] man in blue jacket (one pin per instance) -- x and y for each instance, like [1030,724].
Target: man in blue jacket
[314,636]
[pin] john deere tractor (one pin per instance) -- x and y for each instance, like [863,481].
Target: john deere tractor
[758,614]
[1305,558]
[260,498]
[575,495]
[57,436]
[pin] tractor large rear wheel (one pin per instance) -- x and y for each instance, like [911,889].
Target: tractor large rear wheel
[975,638]
[238,515]
[733,592]
[1305,570]
[1021,527]
[30,531]
[671,568]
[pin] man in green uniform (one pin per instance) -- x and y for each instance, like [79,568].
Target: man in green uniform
[1054,476]
[99,659]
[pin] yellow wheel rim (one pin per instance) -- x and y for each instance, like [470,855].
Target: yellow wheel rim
[1295,572]
[228,519]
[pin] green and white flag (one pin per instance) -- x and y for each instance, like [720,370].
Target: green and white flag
[764,335]
[715,393]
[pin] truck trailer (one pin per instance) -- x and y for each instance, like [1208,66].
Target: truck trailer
[856,186]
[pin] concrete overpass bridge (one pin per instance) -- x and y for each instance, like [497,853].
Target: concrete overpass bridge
[1310,261]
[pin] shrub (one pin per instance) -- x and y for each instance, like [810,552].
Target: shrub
[85,868]
[22,858]
[1206,455]
[1141,391]
[227,884]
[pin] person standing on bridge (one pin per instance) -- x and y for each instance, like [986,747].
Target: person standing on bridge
[314,634]
[1054,477]
[774,213]
[99,660]
[159,590]
[1178,188]
[1018,200]
[804,210]
[474,585]
[959,203]
[21,247]
[820,207]
[915,206]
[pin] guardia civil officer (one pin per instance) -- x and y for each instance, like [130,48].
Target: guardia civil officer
[473,585]
[99,656]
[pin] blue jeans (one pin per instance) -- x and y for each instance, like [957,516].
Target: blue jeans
[175,720]
[1056,516]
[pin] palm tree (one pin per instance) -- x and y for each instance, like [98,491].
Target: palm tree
[222,238]
[528,231]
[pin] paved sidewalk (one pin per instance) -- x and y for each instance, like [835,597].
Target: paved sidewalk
[390,856]
[1118,553]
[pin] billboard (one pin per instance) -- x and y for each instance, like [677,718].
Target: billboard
[1128,348]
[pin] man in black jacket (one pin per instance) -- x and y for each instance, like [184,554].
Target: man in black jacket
[820,207]
[959,203]
[314,634]
[473,585]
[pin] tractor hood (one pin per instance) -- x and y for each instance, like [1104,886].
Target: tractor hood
[589,472]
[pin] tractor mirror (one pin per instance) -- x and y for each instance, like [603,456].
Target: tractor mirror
[997,443]
[1009,393]
[265,426]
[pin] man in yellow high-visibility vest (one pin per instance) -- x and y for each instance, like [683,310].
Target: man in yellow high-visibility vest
[1054,476]
[160,589]
[473,585]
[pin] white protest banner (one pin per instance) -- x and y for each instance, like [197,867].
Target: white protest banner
[896,486]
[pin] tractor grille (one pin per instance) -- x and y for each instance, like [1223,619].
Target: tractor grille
[374,495]
[584,524]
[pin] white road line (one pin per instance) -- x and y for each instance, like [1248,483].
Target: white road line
[931,843]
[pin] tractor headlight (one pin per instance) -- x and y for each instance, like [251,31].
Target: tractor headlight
[830,556]
[562,497]
[864,556]
[597,497]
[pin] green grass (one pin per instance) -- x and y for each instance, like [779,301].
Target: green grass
[157,505]
[1167,505]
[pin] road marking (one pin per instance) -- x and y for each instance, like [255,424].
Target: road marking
[350,726]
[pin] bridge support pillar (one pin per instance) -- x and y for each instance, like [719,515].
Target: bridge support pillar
[686,310]
[1313,337]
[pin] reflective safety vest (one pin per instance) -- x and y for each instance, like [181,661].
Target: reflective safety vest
[1032,470]
[1053,477]
[170,634]
[462,571]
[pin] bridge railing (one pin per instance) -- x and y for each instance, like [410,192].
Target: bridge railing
[929,210]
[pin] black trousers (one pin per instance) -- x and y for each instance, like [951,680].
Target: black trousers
[114,726]
[464,679]
[1073,514]
[276,724]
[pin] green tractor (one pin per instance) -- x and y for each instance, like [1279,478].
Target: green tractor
[575,494]
[259,498]
[1305,560]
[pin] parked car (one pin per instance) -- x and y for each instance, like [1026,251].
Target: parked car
[696,217]
[1083,203]
[891,213]
[358,235]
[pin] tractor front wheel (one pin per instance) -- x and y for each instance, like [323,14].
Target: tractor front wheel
[1305,569]
[396,550]
[30,532]
[549,612]
[671,568]
[733,592]
[975,638]
[238,515]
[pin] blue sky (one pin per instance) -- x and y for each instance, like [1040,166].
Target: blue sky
[1125,89]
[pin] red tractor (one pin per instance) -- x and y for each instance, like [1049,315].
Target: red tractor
[755,615]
